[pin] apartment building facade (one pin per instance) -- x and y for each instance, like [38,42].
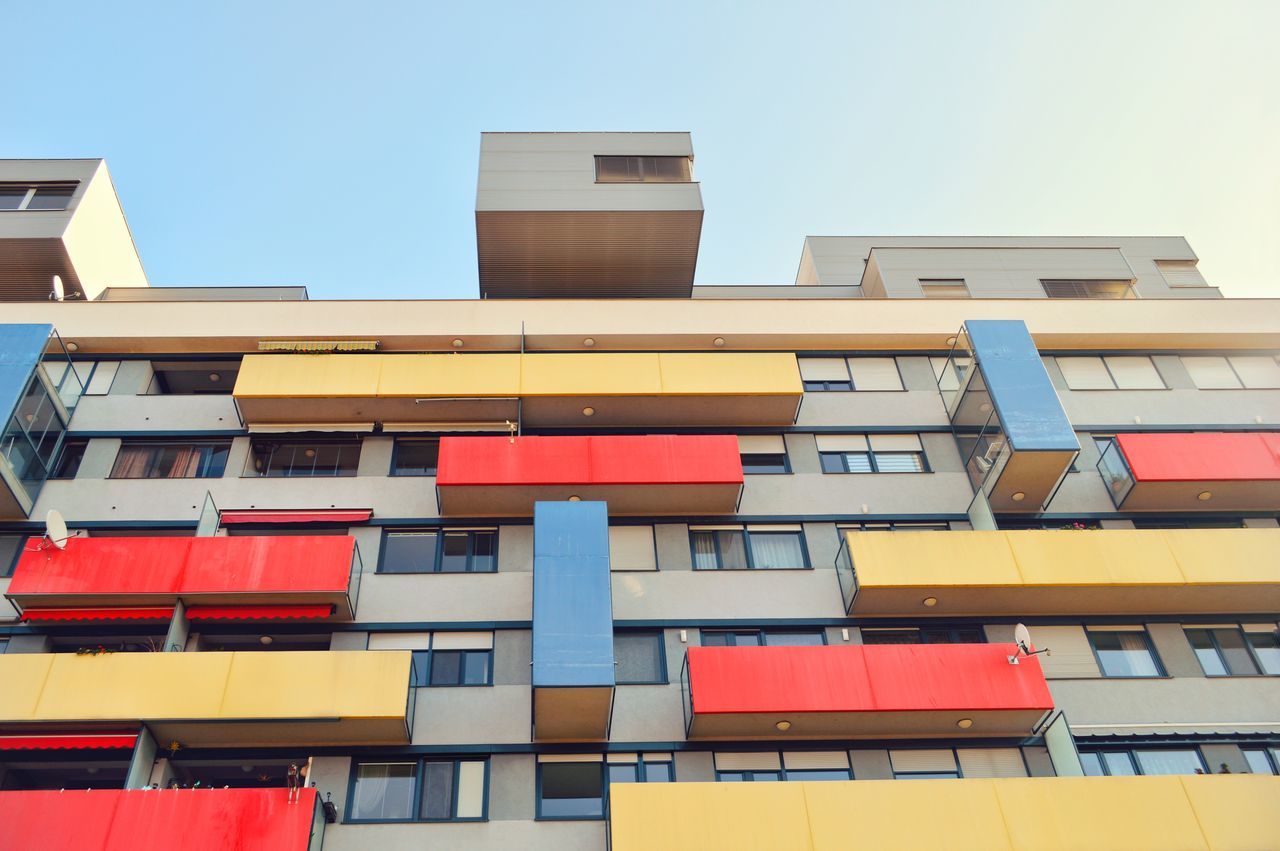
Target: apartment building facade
[610,559]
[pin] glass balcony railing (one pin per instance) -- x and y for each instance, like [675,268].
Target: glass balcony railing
[1115,473]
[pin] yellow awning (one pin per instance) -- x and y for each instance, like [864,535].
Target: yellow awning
[1066,571]
[1218,812]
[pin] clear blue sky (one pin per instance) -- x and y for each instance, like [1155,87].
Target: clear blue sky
[335,145]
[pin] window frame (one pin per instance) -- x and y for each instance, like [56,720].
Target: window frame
[419,788]
[603,764]
[762,636]
[746,533]
[1131,754]
[952,283]
[438,557]
[1270,755]
[1081,284]
[56,472]
[786,463]
[829,385]
[663,671]
[24,206]
[1161,672]
[952,631]
[1105,361]
[1259,670]
[875,467]
[399,443]
[428,667]
[640,168]
[251,473]
[215,446]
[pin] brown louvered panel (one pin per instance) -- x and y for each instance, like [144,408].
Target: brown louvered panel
[27,267]
[588,254]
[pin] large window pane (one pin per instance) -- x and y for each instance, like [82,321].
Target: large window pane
[1210,662]
[704,551]
[416,457]
[572,790]
[303,459]
[733,550]
[408,552]
[437,790]
[171,461]
[1091,763]
[777,550]
[1118,764]
[794,639]
[484,548]
[453,554]
[384,791]
[475,667]
[1266,646]
[51,198]
[639,657]
[1124,654]
[624,773]
[446,667]
[11,197]
[1239,661]
[1169,762]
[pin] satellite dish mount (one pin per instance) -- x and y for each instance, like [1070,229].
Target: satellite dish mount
[55,531]
[1022,639]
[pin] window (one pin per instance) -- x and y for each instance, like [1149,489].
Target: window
[415,457]
[640,768]
[875,453]
[893,527]
[640,658]
[571,790]
[303,459]
[39,196]
[924,764]
[763,454]
[763,638]
[950,371]
[1126,763]
[10,548]
[1233,652]
[1260,760]
[930,635]
[756,547]
[632,548]
[171,460]
[1181,273]
[68,463]
[1233,373]
[1110,373]
[771,766]
[1088,289]
[635,169]
[439,551]
[421,790]
[844,374]
[944,288]
[1126,653]
[442,658]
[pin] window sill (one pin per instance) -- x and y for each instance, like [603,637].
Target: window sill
[457,685]
[414,821]
[748,569]
[646,683]
[435,572]
[569,818]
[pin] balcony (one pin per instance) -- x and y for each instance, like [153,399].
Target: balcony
[217,699]
[158,820]
[580,389]
[1017,441]
[573,669]
[1220,812]
[38,394]
[857,691]
[284,574]
[1061,572]
[1210,471]
[634,474]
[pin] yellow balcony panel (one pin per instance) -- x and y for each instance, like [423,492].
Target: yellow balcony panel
[1222,813]
[218,699]
[1033,572]
[617,388]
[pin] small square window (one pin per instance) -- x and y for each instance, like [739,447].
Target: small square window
[68,463]
[51,198]
[639,657]
[383,791]
[415,457]
[571,790]
[461,667]
[944,288]
[760,463]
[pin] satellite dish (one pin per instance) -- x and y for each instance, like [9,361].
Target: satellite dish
[1022,637]
[55,529]
[59,291]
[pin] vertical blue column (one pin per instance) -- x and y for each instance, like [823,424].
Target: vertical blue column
[573,670]
[1020,388]
[31,426]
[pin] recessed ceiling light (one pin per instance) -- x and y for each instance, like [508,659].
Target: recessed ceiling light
[1018,496]
[985,407]
[575,498]
[930,602]
[310,453]
[215,377]
[783,726]
[266,639]
[718,342]
[1204,496]
[964,723]
[951,341]
[457,343]
[73,347]
[589,342]
[588,411]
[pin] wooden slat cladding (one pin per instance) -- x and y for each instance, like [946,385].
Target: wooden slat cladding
[27,267]
[588,254]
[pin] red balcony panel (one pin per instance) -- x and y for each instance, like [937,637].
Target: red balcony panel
[111,572]
[864,691]
[635,474]
[157,820]
[101,613]
[1237,471]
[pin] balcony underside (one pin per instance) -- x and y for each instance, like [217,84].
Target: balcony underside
[572,713]
[895,724]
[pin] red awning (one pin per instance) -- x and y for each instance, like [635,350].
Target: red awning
[149,613]
[232,517]
[258,613]
[67,741]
